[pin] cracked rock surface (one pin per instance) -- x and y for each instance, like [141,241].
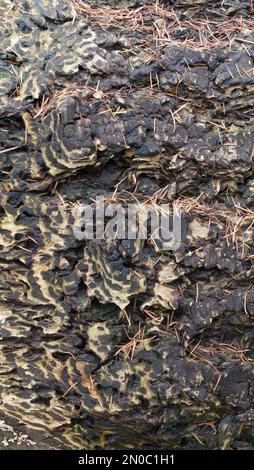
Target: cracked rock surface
[112,344]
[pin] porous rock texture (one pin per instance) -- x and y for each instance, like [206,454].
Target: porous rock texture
[111,344]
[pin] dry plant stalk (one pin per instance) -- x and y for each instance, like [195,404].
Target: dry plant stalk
[159,22]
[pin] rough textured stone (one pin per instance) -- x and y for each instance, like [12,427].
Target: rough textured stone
[117,344]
